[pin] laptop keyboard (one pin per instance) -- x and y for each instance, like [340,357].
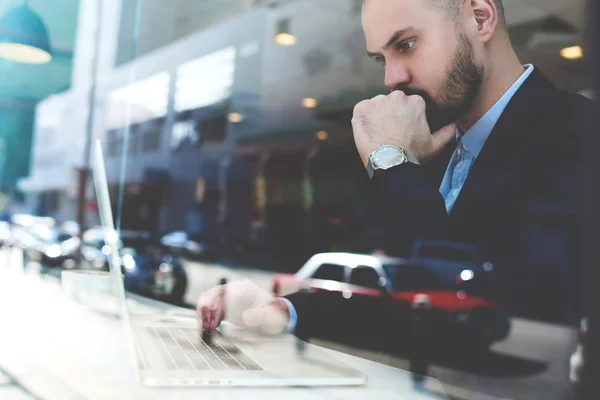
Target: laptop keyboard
[182,348]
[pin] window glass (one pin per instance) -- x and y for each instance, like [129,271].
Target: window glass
[330,272]
[364,276]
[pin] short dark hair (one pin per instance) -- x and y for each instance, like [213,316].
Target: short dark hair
[453,7]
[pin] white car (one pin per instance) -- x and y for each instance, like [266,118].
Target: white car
[577,362]
[383,290]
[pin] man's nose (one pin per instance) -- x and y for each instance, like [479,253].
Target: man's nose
[396,76]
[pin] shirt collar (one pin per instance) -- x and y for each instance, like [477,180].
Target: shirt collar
[475,138]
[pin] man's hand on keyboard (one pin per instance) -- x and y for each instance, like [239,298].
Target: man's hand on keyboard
[243,304]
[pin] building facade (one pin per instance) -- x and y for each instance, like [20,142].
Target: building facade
[210,125]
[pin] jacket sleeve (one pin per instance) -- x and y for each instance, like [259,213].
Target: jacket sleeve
[305,321]
[404,204]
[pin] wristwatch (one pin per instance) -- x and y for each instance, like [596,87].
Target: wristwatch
[386,157]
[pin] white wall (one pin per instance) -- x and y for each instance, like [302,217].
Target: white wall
[328,59]
[58,140]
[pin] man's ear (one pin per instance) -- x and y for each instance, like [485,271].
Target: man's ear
[485,17]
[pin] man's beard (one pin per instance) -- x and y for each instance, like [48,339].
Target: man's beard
[458,91]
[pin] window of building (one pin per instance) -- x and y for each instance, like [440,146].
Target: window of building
[152,135]
[114,142]
[213,130]
[184,132]
[134,139]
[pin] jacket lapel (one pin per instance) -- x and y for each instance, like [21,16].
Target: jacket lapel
[500,157]
[436,169]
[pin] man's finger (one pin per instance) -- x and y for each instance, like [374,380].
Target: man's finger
[200,311]
[217,314]
[207,313]
[442,137]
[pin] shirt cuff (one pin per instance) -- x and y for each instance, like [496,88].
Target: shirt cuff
[293,315]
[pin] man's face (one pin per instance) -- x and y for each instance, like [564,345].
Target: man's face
[425,52]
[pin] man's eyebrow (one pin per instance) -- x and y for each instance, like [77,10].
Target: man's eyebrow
[393,39]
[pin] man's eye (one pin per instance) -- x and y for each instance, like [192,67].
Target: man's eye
[405,46]
[380,60]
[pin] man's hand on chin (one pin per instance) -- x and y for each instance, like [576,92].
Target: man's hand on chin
[397,120]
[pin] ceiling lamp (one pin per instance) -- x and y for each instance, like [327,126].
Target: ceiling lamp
[572,53]
[24,36]
[322,135]
[235,118]
[283,36]
[309,102]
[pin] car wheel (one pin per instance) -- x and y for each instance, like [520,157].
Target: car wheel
[475,349]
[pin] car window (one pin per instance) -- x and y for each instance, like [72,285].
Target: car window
[415,277]
[330,272]
[128,250]
[97,243]
[364,276]
[63,237]
[142,246]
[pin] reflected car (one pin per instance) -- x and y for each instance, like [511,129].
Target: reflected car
[22,226]
[576,362]
[449,252]
[49,247]
[372,299]
[447,257]
[191,246]
[149,268]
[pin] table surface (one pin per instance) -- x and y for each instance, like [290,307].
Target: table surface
[64,349]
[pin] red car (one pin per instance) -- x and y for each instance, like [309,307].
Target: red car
[367,297]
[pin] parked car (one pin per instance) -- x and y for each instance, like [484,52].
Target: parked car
[22,226]
[448,251]
[372,296]
[48,246]
[577,360]
[148,267]
[447,257]
[192,246]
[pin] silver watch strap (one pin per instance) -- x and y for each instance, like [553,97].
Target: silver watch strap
[411,157]
[371,168]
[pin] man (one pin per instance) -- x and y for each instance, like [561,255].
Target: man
[463,146]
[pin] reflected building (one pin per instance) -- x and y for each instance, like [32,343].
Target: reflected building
[231,119]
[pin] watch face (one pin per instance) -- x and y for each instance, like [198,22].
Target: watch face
[388,156]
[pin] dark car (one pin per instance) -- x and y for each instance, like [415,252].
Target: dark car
[199,247]
[48,246]
[372,298]
[448,257]
[444,251]
[149,268]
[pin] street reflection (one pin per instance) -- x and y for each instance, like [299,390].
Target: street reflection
[253,200]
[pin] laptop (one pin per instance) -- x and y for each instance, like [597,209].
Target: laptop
[169,350]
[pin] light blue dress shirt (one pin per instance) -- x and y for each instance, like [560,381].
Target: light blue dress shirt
[471,143]
[293,316]
[469,147]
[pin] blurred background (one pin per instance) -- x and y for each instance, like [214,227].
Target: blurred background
[225,126]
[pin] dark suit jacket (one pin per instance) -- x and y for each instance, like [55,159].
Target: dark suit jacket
[532,160]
